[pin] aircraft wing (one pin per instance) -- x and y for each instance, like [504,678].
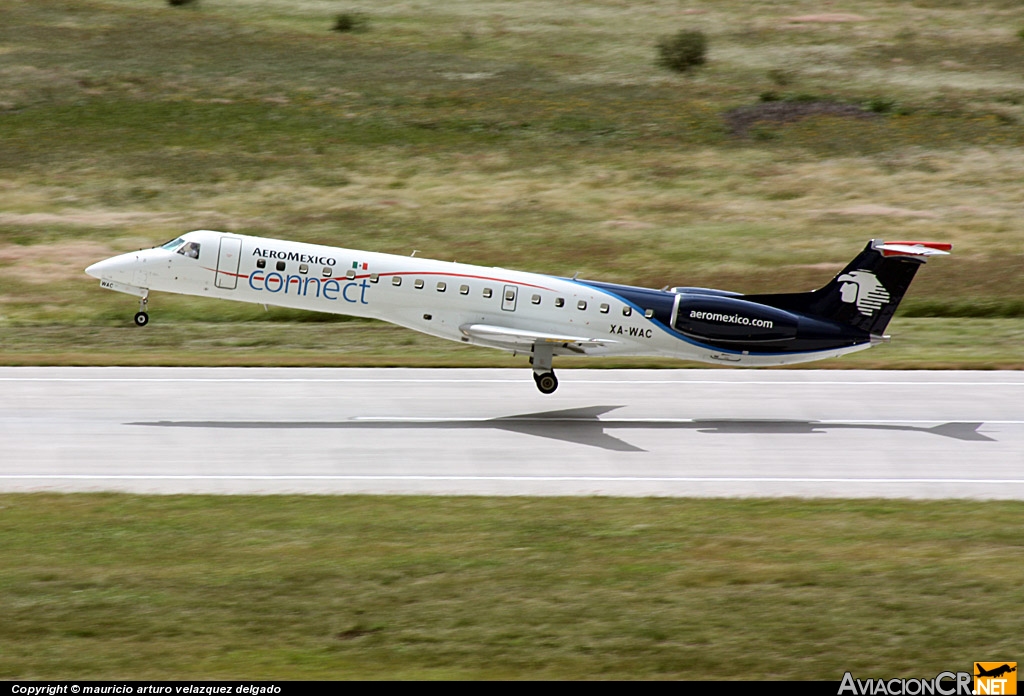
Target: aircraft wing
[521,337]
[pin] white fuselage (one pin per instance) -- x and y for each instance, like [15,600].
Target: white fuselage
[439,298]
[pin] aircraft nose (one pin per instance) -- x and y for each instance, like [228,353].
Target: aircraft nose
[97,269]
[113,268]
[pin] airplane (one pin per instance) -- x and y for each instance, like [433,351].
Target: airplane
[995,671]
[540,315]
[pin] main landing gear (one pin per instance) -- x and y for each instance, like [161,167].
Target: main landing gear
[546,381]
[543,374]
[142,316]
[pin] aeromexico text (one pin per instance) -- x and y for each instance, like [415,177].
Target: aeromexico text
[293,256]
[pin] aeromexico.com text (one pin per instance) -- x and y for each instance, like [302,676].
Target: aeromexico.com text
[732,319]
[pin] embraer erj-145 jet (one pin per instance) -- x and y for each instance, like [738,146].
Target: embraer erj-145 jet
[532,313]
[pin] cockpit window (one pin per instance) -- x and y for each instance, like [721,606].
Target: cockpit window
[190,250]
[173,244]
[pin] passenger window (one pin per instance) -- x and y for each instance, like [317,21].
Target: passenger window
[396,280]
[582,304]
[441,286]
[463,289]
[559,301]
[649,313]
[280,265]
[303,268]
[604,308]
[374,277]
[418,284]
[627,310]
[510,295]
[261,263]
[350,274]
[327,271]
[487,292]
[535,299]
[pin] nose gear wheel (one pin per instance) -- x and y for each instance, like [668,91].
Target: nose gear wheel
[142,316]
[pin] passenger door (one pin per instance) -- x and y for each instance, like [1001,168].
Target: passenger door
[227,262]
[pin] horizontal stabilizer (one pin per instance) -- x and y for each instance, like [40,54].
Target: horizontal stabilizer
[522,337]
[913,248]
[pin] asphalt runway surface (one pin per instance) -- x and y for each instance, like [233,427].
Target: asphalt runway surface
[819,433]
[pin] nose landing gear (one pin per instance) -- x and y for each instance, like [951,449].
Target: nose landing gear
[142,316]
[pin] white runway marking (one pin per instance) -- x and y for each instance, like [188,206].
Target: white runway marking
[664,382]
[611,423]
[601,479]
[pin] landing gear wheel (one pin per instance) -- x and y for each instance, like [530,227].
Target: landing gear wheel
[141,317]
[546,382]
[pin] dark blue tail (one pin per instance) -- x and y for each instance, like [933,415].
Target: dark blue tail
[867,292]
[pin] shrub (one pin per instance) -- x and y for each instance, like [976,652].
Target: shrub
[880,105]
[350,22]
[682,51]
[179,3]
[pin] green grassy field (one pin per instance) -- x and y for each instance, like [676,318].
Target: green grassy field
[111,586]
[977,344]
[536,135]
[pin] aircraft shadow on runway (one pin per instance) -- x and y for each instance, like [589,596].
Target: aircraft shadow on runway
[584,426]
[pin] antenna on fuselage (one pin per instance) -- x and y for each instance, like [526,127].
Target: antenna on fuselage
[414,252]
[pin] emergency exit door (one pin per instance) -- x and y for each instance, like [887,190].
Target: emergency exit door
[227,262]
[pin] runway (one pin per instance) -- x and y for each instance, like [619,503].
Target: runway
[819,433]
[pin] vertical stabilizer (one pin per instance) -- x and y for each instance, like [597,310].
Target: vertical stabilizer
[867,292]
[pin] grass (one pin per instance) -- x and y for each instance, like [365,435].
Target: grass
[104,586]
[979,344]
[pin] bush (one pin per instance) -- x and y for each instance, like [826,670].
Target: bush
[682,51]
[179,3]
[350,22]
[881,105]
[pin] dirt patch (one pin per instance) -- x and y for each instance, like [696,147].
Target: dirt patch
[42,263]
[742,119]
[628,224]
[874,210]
[827,18]
[85,218]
